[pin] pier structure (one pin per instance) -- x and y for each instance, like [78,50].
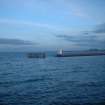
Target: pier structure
[80,53]
[36,55]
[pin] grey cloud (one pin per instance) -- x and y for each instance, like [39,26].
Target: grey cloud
[6,41]
[77,38]
[64,36]
[85,32]
[86,41]
[93,38]
[100,28]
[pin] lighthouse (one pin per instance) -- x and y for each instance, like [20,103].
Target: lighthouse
[60,51]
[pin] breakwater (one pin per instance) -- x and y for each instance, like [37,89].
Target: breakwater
[80,53]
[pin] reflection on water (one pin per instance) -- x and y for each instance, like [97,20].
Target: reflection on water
[51,81]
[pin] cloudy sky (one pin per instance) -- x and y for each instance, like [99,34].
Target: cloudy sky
[27,25]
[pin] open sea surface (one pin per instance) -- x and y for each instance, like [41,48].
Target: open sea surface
[51,81]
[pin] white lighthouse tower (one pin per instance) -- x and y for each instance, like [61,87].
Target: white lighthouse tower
[60,51]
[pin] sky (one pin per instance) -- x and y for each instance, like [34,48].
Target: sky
[40,25]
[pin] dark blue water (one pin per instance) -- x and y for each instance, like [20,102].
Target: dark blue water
[51,81]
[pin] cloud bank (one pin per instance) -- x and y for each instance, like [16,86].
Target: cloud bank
[100,29]
[6,41]
[91,39]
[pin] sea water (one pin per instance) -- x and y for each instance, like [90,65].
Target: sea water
[51,81]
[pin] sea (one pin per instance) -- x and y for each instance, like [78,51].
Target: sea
[51,81]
